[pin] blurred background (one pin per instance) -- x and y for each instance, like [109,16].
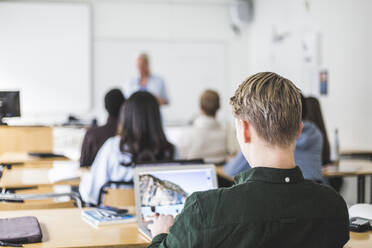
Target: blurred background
[63,56]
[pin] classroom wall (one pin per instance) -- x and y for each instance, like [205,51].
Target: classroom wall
[159,22]
[197,23]
[343,33]
[340,25]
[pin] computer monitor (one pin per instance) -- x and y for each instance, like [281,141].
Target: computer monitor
[9,105]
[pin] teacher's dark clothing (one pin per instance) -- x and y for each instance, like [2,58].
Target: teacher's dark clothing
[265,208]
[94,139]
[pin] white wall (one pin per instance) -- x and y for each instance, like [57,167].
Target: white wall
[159,22]
[191,22]
[345,36]
[48,61]
[344,49]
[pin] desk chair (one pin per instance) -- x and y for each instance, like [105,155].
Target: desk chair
[114,186]
[119,197]
[11,201]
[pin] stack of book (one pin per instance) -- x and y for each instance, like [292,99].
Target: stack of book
[100,217]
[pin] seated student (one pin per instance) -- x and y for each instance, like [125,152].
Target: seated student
[270,205]
[315,115]
[206,139]
[96,136]
[141,139]
[307,154]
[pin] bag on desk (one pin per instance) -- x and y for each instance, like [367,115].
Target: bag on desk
[20,230]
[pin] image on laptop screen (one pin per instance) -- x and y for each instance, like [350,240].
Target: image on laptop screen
[165,191]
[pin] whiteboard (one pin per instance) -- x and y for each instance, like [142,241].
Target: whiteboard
[45,52]
[187,67]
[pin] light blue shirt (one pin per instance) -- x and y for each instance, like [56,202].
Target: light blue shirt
[155,85]
[307,154]
[106,167]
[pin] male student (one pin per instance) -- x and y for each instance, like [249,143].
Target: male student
[96,136]
[270,205]
[205,139]
[147,81]
[307,154]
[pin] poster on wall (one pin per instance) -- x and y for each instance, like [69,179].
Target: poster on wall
[323,80]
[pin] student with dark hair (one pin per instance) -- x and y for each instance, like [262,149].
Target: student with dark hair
[205,139]
[315,115]
[96,136]
[141,139]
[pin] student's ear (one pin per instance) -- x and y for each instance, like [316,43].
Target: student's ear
[300,130]
[246,131]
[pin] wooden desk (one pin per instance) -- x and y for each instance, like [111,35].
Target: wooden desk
[346,167]
[365,153]
[65,228]
[32,177]
[26,138]
[24,158]
[351,167]
[360,240]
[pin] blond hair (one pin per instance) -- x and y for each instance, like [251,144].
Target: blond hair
[272,105]
[210,102]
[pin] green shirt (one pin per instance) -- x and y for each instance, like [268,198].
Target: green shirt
[266,207]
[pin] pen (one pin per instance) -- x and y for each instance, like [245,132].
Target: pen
[3,243]
[99,213]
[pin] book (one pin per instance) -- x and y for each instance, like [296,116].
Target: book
[99,217]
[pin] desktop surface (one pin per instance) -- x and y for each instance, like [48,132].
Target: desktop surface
[66,228]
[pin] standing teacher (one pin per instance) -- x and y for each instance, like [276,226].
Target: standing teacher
[146,81]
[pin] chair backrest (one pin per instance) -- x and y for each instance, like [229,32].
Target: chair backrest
[34,204]
[110,185]
[119,197]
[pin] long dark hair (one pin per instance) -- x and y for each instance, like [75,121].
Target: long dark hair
[314,114]
[141,131]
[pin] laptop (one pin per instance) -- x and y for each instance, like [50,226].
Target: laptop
[164,189]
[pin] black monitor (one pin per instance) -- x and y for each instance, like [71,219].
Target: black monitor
[9,105]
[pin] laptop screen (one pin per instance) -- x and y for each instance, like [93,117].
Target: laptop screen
[165,191]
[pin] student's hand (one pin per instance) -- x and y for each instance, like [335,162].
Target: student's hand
[161,224]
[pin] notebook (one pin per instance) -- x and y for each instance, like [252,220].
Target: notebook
[164,190]
[99,217]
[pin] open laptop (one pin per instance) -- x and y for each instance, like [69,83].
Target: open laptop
[164,189]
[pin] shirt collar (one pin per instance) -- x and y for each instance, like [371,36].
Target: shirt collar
[270,175]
